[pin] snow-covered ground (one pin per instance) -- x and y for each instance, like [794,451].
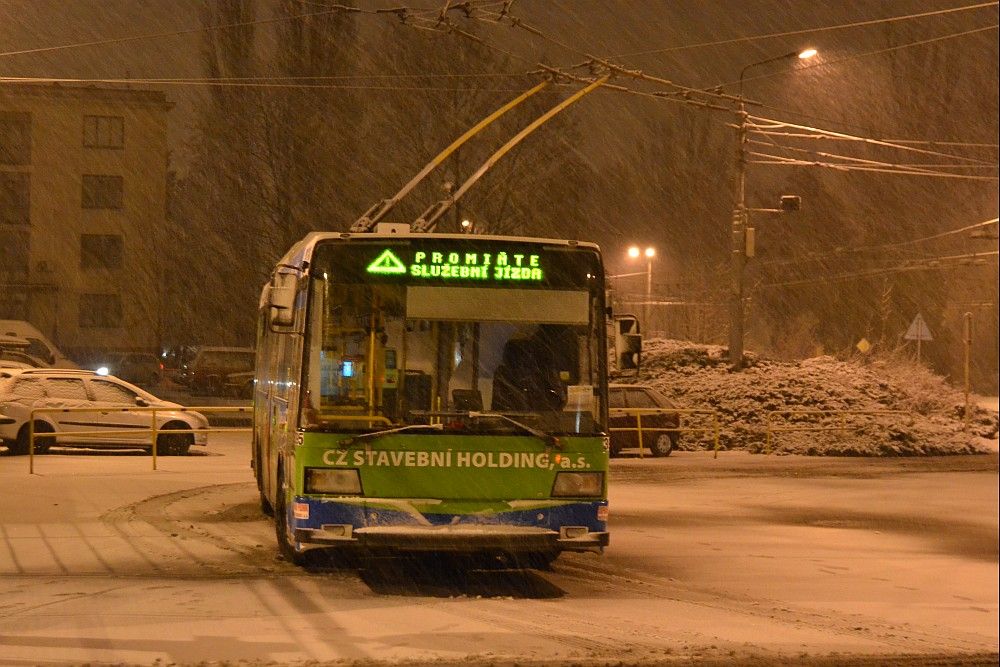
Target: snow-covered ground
[871,407]
[738,559]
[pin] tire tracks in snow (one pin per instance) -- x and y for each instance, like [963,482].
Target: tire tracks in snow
[902,636]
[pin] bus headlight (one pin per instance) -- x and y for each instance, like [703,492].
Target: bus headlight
[333,480]
[575,484]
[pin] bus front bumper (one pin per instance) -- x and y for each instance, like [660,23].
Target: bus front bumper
[456,538]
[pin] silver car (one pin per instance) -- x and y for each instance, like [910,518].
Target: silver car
[93,410]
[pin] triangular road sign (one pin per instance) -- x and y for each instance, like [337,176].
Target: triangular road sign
[918,329]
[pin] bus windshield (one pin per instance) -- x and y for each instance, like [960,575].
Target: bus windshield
[484,337]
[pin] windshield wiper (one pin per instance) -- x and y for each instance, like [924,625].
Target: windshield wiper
[347,442]
[550,440]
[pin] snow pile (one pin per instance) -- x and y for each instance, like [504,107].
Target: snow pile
[926,417]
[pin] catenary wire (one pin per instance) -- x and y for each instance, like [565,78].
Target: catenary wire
[840,252]
[889,270]
[784,161]
[805,31]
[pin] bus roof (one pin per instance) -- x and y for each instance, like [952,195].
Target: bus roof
[301,253]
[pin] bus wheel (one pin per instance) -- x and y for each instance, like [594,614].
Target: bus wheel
[538,560]
[282,530]
[663,445]
[266,508]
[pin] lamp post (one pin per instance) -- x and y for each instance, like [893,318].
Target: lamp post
[739,241]
[635,252]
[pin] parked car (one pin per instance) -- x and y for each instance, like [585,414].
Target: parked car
[624,396]
[139,368]
[240,385]
[22,390]
[206,374]
[39,346]
[14,353]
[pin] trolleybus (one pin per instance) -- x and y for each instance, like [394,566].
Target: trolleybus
[434,392]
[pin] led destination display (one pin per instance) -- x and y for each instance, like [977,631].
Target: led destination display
[477,262]
[499,266]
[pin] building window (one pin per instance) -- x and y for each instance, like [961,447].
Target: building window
[15,137]
[14,254]
[15,198]
[103,131]
[102,191]
[100,310]
[101,251]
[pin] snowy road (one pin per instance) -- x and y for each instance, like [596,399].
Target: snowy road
[740,558]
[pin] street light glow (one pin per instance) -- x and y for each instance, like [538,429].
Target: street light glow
[650,251]
[633,252]
[806,54]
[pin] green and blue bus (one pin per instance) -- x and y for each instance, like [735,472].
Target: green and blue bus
[434,392]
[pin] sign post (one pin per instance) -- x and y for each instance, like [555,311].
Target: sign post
[919,332]
[967,339]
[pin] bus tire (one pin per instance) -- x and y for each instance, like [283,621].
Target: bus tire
[663,445]
[266,508]
[282,532]
[537,560]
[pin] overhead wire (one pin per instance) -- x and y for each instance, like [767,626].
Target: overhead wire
[953,262]
[849,160]
[410,15]
[761,123]
[840,252]
[781,160]
[278,84]
[926,142]
[854,56]
[806,31]
[188,31]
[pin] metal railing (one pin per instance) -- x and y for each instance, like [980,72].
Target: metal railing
[804,420]
[154,430]
[712,415]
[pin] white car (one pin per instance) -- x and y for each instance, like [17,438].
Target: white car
[114,406]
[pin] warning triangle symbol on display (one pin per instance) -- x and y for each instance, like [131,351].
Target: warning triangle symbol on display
[387,263]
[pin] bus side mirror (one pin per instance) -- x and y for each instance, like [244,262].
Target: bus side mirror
[281,300]
[631,354]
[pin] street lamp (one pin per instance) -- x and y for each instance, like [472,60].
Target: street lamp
[635,252]
[739,240]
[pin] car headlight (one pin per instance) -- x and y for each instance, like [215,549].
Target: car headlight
[345,482]
[576,484]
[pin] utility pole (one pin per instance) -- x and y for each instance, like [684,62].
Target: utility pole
[738,257]
[742,240]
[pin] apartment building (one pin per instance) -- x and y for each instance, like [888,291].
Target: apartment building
[83,174]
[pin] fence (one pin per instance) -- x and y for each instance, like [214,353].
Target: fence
[154,430]
[792,420]
[712,415]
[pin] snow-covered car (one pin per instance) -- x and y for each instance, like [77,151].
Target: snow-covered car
[622,399]
[14,353]
[114,406]
[15,360]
